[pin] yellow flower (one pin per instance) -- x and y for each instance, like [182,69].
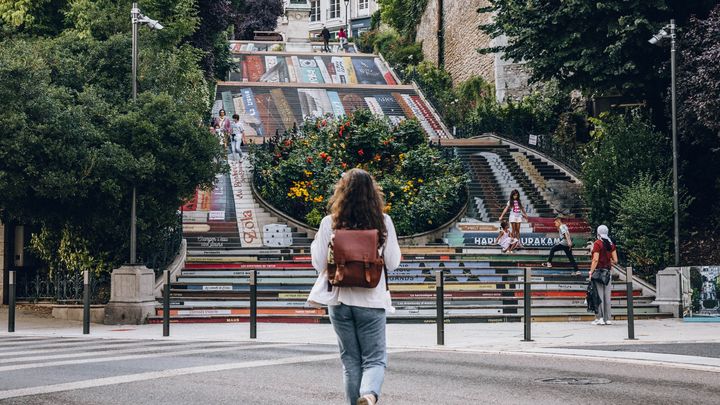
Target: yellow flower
[318,199]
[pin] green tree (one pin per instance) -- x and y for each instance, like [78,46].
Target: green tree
[698,107]
[598,47]
[72,147]
[644,221]
[621,149]
[403,15]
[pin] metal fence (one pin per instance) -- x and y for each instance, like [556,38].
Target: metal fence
[60,287]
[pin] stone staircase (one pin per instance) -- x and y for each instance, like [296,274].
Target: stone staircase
[224,227]
[479,287]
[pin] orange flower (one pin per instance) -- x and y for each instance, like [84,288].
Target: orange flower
[344,165]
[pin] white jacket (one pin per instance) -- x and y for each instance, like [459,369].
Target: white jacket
[378,297]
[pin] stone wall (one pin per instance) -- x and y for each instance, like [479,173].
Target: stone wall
[462,38]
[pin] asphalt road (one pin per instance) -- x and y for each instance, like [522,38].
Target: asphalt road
[685,349]
[95,371]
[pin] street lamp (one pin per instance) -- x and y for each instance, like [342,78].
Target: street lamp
[665,32]
[347,26]
[136,19]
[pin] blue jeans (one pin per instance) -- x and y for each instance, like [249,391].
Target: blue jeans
[361,337]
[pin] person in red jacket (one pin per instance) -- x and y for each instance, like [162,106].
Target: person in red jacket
[342,36]
[604,256]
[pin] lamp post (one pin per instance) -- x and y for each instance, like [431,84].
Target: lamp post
[137,18]
[347,25]
[668,31]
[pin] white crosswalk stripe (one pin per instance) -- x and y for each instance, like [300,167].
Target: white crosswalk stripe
[66,352]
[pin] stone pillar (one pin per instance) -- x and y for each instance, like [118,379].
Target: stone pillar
[3,261]
[673,290]
[132,297]
[295,26]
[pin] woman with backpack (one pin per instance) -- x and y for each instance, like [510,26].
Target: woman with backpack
[604,256]
[357,313]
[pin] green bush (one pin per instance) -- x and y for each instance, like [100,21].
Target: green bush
[644,221]
[297,171]
[621,149]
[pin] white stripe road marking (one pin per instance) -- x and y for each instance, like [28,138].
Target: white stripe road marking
[129,378]
[137,356]
[144,348]
[94,345]
[54,343]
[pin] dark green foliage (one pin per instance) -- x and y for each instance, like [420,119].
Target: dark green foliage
[598,47]
[644,222]
[73,143]
[621,150]
[698,106]
[257,15]
[403,15]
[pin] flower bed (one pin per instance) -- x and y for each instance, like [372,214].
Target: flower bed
[296,172]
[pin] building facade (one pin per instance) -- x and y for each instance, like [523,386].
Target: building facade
[354,15]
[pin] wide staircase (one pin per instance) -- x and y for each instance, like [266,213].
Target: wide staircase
[272,90]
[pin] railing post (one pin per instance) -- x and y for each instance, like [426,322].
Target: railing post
[11,302]
[166,304]
[440,306]
[630,309]
[527,301]
[253,304]
[86,302]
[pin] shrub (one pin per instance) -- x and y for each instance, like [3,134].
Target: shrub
[296,172]
[621,149]
[644,221]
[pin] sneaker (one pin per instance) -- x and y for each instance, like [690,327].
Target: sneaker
[367,399]
[548,264]
[598,322]
[608,322]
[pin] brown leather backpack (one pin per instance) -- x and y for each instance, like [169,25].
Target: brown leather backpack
[353,259]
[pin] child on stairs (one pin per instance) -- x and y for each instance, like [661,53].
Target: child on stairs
[507,243]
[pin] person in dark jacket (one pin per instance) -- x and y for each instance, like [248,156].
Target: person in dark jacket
[325,34]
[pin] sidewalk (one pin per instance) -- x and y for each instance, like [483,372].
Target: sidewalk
[467,336]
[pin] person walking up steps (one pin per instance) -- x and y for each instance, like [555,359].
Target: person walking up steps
[517,213]
[238,133]
[357,314]
[604,255]
[325,34]
[565,245]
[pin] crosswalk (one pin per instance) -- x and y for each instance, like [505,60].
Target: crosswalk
[28,363]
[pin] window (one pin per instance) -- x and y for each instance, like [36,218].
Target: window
[315,10]
[334,9]
[363,4]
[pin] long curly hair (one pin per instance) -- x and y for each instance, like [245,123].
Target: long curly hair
[358,203]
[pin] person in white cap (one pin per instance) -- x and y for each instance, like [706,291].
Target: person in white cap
[604,256]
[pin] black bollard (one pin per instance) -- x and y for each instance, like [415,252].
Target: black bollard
[630,309]
[11,302]
[440,306]
[86,302]
[527,301]
[253,304]
[166,304]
